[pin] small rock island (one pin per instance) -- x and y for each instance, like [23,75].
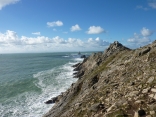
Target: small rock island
[119,82]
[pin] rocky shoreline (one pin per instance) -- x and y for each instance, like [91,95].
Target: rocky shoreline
[119,82]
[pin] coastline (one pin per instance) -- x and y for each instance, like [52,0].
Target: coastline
[115,83]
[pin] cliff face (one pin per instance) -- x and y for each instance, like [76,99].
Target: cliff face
[117,83]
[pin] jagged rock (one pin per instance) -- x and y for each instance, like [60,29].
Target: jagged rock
[114,47]
[78,74]
[134,93]
[132,83]
[96,107]
[148,116]
[136,114]
[83,56]
[151,95]
[150,80]
[116,113]
[139,101]
[49,102]
[78,105]
[53,100]
[120,79]
[154,97]
[152,107]
[152,112]
[112,108]
[76,65]
[144,51]
[93,81]
[153,90]
[75,73]
[145,90]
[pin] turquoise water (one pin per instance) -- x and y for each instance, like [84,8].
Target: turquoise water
[28,80]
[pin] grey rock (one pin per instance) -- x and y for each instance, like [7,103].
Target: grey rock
[83,56]
[53,100]
[96,107]
[114,83]
[150,80]
[153,90]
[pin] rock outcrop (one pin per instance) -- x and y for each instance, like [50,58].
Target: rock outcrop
[117,83]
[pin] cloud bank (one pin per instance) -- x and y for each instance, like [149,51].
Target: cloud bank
[4,3]
[141,39]
[10,42]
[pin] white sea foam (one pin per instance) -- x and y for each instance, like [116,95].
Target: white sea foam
[61,80]
[31,104]
[65,56]
[79,59]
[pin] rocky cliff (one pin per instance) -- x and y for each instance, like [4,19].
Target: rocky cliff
[117,83]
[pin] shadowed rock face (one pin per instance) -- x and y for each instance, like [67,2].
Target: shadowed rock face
[117,83]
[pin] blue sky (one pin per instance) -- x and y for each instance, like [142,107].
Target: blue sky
[75,25]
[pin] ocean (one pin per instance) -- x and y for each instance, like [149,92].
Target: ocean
[29,80]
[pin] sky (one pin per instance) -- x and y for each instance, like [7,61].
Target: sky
[75,25]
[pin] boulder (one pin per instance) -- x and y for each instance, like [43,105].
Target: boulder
[76,65]
[53,100]
[83,56]
[96,107]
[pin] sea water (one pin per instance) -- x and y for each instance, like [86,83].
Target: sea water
[29,80]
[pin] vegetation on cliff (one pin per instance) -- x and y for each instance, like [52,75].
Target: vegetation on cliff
[117,83]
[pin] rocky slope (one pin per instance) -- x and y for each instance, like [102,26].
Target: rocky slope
[117,83]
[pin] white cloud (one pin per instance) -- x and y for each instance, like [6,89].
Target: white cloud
[34,41]
[4,3]
[75,28]
[75,42]
[152,4]
[57,23]
[72,40]
[59,40]
[95,30]
[36,33]
[139,40]
[146,32]
[8,37]
[11,42]
[97,42]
